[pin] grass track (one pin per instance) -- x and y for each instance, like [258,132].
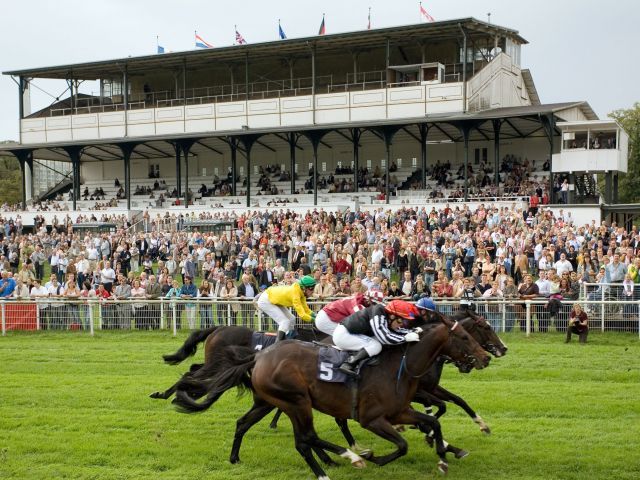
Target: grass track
[76,407]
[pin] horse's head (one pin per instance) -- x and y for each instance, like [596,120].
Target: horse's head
[482,332]
[462,349]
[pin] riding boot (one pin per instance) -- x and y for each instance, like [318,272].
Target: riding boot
[281,335]
[349,367]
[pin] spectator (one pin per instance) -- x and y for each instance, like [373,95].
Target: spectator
[578,324]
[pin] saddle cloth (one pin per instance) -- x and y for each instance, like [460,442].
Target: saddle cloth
[329,359]
[262,340]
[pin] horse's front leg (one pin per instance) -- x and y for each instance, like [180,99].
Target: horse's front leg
[346,433]
[426,424]
[447,396]
[384,429]
[166,394]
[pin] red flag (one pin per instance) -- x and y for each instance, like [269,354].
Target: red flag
[425,14]
[322,28]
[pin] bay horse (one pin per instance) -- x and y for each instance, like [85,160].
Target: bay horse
[430,393]
[285,376]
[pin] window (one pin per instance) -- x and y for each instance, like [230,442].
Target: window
[368,163]
[399,162]
[215,170]
[480,154]
[414,162]
[324,167]
[383,162]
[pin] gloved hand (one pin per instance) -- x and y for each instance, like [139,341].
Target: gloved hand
[313,316]
[418,330]
[412,337]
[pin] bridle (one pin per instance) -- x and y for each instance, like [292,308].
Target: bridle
[404,366]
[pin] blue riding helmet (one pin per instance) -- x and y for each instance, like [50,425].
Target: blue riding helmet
[427,304]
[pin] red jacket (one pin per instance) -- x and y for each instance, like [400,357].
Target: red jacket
[341,309]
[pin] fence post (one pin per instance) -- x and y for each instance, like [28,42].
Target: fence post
[90,307]
[228,314]
[100,305]
[638,319]
[528,316]
[602,310]
[173,319]
[161,314]
[4,321]
[37,317]
[504,316]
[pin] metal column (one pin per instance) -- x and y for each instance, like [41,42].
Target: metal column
[424,132]
[497,124]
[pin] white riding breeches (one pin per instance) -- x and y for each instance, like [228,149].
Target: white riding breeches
[348,341]
[282,316]
[324,323]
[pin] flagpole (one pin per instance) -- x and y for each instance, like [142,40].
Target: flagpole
[369,18]
[279,27]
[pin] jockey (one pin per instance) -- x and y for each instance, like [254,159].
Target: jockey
[367,330]
[426,306]
[335,312]
[275,300]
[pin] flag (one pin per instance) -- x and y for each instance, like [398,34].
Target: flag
[281,32]
[240,39]
[322,27]
[200,43]
[424,14]
[369,20]
[160,49]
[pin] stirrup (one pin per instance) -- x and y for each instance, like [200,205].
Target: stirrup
[348,369]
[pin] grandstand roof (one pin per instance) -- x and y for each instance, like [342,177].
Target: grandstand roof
[364,39]
[520,122]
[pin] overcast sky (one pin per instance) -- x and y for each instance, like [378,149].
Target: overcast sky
[578,49]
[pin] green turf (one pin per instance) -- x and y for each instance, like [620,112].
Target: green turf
[77,407]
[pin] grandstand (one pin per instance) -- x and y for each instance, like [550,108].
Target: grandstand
[431,112]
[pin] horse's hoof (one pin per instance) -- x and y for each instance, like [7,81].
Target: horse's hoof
[429,440]
[359,464]
[156,395]
[443,467]
[486,430]
[462,454]
[367,454]
[273,426]
[234,460]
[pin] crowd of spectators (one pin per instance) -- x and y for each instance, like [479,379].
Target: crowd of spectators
[494,253]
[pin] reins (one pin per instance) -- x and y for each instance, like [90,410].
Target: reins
[404,366]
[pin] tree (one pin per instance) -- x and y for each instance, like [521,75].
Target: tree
[10,181]
[629,184]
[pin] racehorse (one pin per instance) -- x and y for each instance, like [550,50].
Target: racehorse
[429,392]
[285,376]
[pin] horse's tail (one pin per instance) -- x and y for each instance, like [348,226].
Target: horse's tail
[232,371]
[190,346]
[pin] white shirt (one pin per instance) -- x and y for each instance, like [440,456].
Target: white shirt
[107,275]
[563,266]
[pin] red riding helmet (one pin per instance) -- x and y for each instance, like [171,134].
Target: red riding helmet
[402,309]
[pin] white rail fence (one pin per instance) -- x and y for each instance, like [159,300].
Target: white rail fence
[174,315]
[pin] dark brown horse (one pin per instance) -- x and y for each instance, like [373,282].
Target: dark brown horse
[285,376]
[430,393]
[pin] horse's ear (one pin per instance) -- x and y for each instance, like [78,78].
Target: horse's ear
[444,319]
